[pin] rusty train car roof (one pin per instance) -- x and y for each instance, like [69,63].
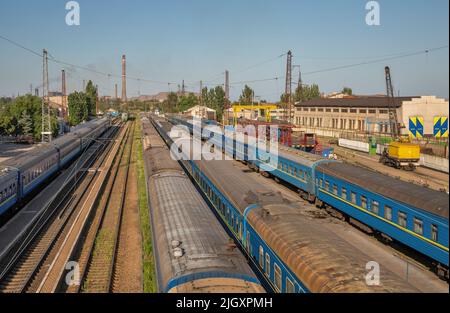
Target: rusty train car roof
[411,194]
[321,260]
[325,262]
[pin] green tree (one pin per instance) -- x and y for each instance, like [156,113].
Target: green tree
[246,97]
[205,97]
[219,101]
[284,98]
[91,98]
[23,116]
[171,102]
[26,124]
[78,108]
[305,93]
[187,102]
[5,116]
[347,91]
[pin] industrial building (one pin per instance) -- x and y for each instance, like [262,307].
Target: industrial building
[425,116]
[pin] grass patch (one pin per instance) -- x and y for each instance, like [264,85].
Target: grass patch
[144,213]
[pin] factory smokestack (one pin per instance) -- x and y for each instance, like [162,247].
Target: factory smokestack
[124,79]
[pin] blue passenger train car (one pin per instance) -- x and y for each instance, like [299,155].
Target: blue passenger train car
[413,215]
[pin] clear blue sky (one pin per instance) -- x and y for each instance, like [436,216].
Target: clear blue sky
[197,40]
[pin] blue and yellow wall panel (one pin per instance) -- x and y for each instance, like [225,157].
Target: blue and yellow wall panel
[416,126]
[440,127]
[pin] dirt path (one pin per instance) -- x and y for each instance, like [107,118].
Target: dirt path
[128,273]
[422,176]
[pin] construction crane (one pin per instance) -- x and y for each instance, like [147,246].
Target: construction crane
[393,120]
[400,153]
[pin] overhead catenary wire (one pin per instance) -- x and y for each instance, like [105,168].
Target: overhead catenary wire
[388,57]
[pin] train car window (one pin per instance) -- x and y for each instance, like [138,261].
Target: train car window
[279,166]
[1,196]
[327,185]
[267,265]
[434,233]
[277,276]
[261,257]
[375,207]
[321,182]
[344,192]
[402,219]
[418,226]
[363,202]
[353,197]
[335,189]
[289,286]
[388,213]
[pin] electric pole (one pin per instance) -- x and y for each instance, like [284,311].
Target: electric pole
[227,95]
[288,87]
[64,94]
[124,78]
[46,129]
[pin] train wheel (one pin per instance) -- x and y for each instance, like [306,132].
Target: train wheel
[319,203]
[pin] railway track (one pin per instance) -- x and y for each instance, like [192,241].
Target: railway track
[98,258]
[25,269]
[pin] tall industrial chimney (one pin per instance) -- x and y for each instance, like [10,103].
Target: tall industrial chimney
[124,79]
[115,91]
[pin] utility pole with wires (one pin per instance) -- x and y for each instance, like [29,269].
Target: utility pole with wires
[124,78]
[227,97]
[288,87]
[96,99]
[46,129]
[63,95]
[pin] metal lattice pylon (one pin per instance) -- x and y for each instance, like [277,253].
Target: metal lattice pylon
[46,128]
[288,87]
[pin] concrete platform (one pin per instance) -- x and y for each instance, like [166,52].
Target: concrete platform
[14,229]
[12,150]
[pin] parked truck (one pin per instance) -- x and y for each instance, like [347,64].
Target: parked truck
[401,155]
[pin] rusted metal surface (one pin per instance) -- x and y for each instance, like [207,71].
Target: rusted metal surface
[217,285]
[188,238]
[411,194]
[323,262]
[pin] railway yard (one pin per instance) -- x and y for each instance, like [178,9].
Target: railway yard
[120,215]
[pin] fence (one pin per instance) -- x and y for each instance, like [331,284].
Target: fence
[429,145]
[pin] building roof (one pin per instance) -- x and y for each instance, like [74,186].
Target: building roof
[357,102]
[199,107]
